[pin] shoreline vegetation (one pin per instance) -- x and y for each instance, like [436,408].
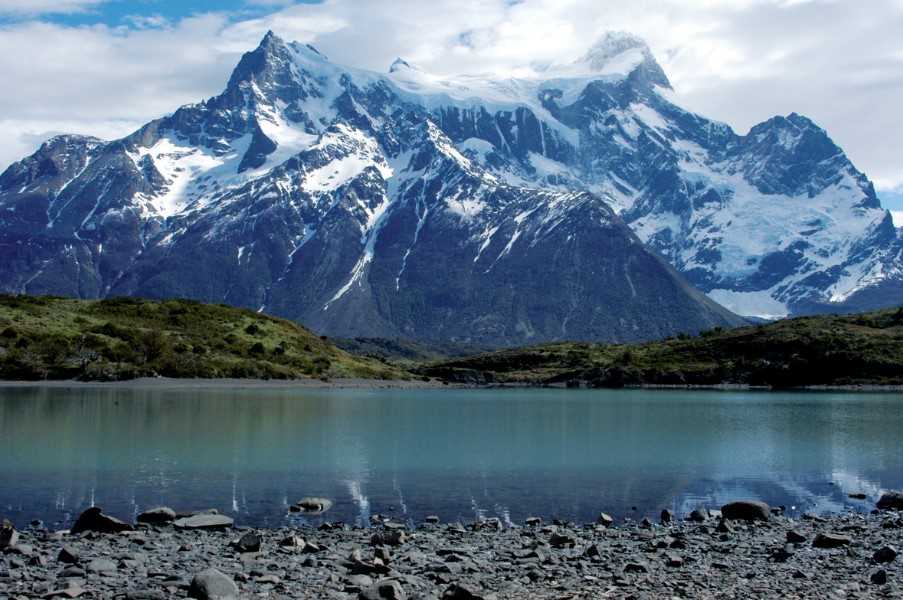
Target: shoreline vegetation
[181,343]
[744,549]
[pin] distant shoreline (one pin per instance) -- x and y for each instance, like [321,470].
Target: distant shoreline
[401,384]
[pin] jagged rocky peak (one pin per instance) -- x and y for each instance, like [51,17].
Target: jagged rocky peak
[58,157]
[400,64]
[619,52]
[275,63]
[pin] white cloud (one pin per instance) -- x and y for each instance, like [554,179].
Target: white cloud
[739,61]
[898,217]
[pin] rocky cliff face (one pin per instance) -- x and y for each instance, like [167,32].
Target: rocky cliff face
[406,205]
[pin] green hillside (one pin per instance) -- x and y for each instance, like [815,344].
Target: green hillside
[124,338]
[809,351]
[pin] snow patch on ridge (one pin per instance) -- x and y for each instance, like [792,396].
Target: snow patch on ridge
[759,304]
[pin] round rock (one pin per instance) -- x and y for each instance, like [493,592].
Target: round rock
[746,510]
[212,585]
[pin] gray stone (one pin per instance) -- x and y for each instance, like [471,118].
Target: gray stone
[795,537]
[101,565]
[605,520]
[291,541]
[746,510]
[249,542]
[666,517]
[204,521]
[72,591]
[157,516]
[212,584]
[392,537]
[383,590]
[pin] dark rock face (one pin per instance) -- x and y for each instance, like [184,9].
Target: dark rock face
[830,540]
[746,510]
[362,206]
[94,520]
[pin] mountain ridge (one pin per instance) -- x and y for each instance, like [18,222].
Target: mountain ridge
[318,192]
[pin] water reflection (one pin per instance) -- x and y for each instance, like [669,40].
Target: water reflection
[457,454]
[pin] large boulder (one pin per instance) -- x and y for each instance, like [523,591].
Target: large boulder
[249,542]
[391,537]
[212,585]
[746,510]
[157,516]
[204,521]
[891,501]
[388,589]
[94,520]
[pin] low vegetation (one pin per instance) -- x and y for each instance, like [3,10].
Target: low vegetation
[125,338]
[809,351]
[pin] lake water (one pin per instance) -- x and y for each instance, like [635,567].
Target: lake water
[458,454]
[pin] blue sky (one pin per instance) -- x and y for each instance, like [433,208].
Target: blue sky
[105,67]
[119,13]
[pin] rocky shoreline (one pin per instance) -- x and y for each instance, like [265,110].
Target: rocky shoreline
[744,550]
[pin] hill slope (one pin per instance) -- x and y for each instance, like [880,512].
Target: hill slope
[124,338]
[807,351]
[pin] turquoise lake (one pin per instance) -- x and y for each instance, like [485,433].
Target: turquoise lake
[458,454]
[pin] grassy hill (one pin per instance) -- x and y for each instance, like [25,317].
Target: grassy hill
[124,338]
[810,351]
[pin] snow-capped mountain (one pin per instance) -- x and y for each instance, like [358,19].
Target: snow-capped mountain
[772,223]
[409,205]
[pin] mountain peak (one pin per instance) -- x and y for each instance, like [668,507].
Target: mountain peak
[623,53]
[400,64]
[611,45]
